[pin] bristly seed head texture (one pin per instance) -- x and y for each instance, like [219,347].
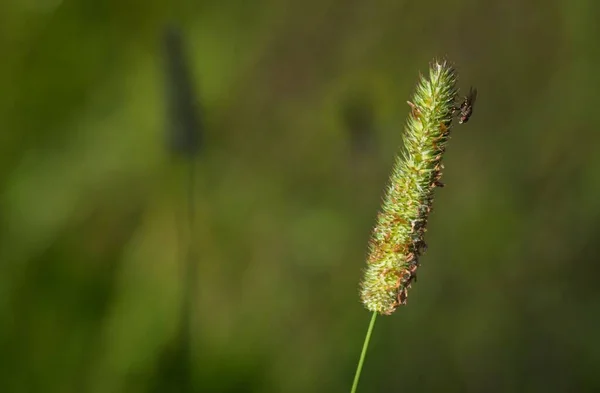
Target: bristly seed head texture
[397,241]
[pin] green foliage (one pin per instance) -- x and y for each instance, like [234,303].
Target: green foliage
[91,207]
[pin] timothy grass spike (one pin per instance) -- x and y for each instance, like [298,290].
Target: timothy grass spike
[397,241]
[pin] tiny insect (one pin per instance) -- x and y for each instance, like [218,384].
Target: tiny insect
[466,107]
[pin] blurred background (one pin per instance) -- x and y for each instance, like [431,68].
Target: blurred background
[166,232]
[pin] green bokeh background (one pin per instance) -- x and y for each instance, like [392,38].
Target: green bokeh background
[303,105]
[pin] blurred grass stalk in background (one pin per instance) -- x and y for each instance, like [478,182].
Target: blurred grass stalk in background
[183,140]
[398,240]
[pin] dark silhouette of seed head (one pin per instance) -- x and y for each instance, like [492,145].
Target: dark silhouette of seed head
[183,123]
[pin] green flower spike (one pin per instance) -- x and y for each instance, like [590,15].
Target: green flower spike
[397,241]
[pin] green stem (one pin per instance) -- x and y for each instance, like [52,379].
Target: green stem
[363,353]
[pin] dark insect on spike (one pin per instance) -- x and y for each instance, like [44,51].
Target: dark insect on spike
[420,246]
[466,107]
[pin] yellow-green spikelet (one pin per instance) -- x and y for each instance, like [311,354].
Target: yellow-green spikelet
[397,240]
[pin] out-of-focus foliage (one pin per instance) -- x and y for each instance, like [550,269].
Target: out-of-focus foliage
[303,107]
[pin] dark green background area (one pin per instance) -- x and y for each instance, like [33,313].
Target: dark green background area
[303,105]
